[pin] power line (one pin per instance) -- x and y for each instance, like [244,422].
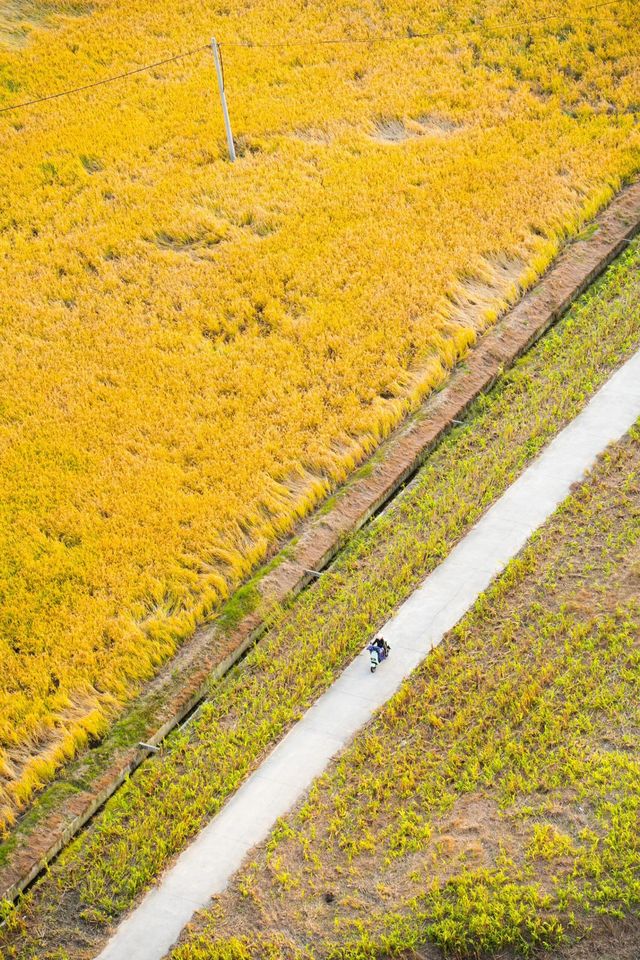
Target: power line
[342,41]
[100,83]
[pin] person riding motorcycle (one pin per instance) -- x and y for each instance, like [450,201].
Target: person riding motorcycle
[379,650]
[381,644]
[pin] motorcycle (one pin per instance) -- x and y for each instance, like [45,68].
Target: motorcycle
[377,655]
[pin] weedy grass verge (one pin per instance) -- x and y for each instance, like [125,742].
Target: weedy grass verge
[492,805]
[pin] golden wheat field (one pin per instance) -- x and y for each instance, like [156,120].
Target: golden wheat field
[194,352]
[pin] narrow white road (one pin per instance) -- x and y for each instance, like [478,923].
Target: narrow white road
[206,866]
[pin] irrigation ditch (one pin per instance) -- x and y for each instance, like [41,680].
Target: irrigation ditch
[175,694]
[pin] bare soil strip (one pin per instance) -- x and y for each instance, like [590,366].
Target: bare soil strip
[184,681]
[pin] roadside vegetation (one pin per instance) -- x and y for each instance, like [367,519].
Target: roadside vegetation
[493,804]
[194,354]
[171,797]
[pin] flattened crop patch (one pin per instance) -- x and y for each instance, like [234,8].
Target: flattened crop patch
[395,130]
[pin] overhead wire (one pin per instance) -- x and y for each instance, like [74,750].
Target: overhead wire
[318,41]
[105,80]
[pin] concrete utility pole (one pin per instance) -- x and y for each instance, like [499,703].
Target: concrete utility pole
[223,99]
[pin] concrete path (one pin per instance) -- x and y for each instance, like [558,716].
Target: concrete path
[206,866]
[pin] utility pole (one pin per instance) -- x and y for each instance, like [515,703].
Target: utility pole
[223,99]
